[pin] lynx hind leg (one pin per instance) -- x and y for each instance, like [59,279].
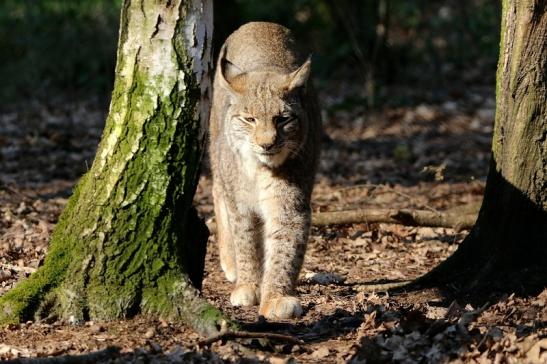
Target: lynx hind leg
[224,238]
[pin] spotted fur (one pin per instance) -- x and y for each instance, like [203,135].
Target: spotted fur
[264,146]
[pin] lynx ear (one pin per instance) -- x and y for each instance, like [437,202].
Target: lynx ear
[299,77]
[232,78]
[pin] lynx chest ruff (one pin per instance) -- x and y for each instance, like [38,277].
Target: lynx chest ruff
[264,148]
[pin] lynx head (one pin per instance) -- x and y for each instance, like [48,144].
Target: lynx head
[265,114]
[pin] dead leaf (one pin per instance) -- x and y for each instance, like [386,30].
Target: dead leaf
[538,353]
[320,353]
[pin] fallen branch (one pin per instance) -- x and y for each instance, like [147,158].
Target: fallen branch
[406,217]
[395,216]
[250,335]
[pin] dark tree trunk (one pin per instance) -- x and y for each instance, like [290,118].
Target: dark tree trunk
[508,243]
[129,240]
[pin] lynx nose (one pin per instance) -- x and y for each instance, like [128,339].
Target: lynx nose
[267,146]
[266,138]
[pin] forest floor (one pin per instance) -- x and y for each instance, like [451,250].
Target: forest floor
[431,156]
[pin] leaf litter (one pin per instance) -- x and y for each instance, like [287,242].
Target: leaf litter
[430,156]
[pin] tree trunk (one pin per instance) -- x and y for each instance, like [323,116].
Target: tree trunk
[508,243]
[129,240]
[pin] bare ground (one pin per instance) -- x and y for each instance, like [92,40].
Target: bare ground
[430,156]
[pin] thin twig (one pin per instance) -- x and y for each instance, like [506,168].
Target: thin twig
[484,337]
[250,335]
[372,186]
[468,317]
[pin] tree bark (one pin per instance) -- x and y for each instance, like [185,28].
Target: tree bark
[508,243]
[128,240]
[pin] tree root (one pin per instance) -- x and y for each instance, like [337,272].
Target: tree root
[384,287]
[470,273]
[27,298]
[176,299]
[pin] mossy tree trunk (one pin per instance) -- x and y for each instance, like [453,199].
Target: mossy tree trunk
[128,240]
[508,244]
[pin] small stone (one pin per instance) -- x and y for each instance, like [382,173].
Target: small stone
[450,106]
[324,278]
[150,333]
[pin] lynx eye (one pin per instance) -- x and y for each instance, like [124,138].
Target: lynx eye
[249,119]
[282,120]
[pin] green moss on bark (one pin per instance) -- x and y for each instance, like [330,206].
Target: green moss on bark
[123,241]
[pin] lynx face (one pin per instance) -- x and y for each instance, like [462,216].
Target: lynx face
[265,115]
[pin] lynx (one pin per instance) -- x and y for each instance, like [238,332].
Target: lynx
[264,146]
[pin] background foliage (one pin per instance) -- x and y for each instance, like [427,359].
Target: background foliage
[51,47]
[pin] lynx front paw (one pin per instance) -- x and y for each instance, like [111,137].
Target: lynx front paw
[244,295]
[229,271]
[284,307]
